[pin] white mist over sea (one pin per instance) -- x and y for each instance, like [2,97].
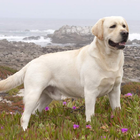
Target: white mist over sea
[18,29]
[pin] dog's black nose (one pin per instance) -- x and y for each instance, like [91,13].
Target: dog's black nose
[124,35]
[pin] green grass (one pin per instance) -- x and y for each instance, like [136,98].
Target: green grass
[132,87]
[16,90]
[57,123]
[4,72]
[8,69]
[13,91]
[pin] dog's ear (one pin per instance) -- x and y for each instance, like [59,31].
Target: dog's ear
[97,29]
[126,25]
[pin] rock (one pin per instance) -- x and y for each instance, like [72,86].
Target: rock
[5,101]
[132,63]
[72,34]
[20,93]
[27,30]
[132,68]
[17,54]
[129,42]
[32,38]
[135,41]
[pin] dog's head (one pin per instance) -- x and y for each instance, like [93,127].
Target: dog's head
[113,31]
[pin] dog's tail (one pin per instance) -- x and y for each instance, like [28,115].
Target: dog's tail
[13,80]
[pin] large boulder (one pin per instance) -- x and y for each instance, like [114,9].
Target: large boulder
[73,34]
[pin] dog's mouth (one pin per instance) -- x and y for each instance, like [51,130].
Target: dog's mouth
[120,45]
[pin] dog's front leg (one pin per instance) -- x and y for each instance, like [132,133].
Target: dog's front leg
[90,99]
[114,97]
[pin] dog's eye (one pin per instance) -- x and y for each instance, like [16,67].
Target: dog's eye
[113,26]
[124,26]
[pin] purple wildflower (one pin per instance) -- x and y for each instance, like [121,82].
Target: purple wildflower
[124,130]
[74,107]
[88,126]
[2,127]
[128,94]
[75,126]
[64,103]
[104,137]
[112,116]
[139,135]
[47,108]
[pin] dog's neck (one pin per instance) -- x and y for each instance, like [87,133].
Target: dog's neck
[112,59]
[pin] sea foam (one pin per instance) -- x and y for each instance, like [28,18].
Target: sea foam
[134,36]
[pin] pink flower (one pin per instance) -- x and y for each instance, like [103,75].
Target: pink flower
[112,116]
[128,94]
[124,130]
[139,135]
[2,127]
[64,103]
[88,126]
[47,108]
[75,126]
[74,107]
[104,137]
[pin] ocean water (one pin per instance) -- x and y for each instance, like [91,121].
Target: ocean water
[18,29]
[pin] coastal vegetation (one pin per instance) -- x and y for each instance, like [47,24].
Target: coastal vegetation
[65,120]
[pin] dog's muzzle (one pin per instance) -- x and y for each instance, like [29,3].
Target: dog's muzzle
[120,45]
[124,35]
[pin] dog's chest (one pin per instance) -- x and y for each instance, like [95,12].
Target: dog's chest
[107,85]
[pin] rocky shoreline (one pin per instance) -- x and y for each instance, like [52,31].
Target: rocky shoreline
[132,63]
[18,54]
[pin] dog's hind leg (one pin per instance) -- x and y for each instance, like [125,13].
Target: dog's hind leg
[30,102]
[43,102]
[36,80]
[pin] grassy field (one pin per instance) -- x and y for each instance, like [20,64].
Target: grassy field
[5,71]
[66,120]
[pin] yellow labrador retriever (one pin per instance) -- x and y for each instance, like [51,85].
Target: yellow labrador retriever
[90,72]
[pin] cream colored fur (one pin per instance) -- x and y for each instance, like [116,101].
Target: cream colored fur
[90,72]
